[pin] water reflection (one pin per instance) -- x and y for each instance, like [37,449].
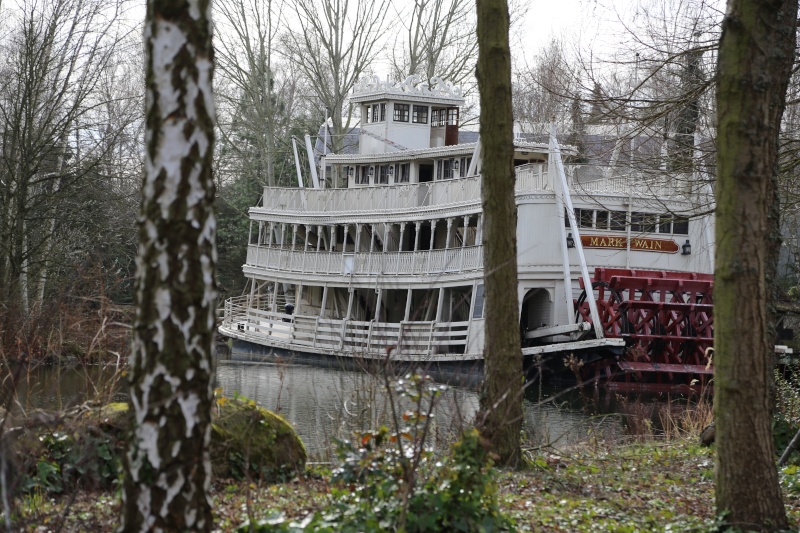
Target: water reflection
[327,403]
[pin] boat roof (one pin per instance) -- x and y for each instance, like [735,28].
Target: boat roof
[412,89]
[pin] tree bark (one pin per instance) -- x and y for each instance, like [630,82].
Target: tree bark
[168,471]
[501,395]
[754,65]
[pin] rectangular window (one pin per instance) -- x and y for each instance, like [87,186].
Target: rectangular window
[401,112]
[465,162]
[643,223]
[477,311]
[363,175]
[403,173]
[585,218]
[378,113]
[420,114]
[383,174]
[665,224]
[617,220]
[680,226]
[438,117]
[601,220]
[446,174]
[452,116]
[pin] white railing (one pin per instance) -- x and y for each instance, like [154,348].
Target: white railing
[377,198]
[407,339]
[529,178]
[395,263]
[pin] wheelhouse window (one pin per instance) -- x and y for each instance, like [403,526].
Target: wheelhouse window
[452,116]
[401,112]
[377,113]
[438,118]
[420,114]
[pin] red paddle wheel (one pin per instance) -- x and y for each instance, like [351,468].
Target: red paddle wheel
[666,319]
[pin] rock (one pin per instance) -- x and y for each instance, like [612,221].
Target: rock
[707,435]
[244,434]
[85,445]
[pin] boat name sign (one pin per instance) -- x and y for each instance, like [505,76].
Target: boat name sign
[641,244]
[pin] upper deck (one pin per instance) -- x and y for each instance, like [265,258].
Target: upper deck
[405,198]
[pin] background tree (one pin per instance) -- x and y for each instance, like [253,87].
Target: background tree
[256,94]
[546,90]
[54,145]
[439,41]
[500,419]
[335,44]
[168,468]
[755,60]
[257,103]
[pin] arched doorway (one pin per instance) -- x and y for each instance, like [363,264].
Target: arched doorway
[537,310]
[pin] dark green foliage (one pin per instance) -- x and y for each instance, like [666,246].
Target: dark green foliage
[233,227]
[457,494]
[80,452]
[390,481]
[786,420]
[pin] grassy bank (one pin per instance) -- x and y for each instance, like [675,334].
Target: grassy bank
[645,487]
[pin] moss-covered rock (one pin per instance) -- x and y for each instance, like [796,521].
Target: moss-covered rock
[84,447]
[246,437]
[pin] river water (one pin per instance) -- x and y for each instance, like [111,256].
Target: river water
[327,403]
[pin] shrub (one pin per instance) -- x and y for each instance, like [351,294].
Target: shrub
[390,481]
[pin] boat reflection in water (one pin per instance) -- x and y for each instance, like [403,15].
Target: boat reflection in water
[328,403]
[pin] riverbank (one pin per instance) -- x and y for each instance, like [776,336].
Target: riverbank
[652,486]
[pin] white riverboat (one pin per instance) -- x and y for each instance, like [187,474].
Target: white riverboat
[381,256]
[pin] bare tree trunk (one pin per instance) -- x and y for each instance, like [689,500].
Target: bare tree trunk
[168,471]
[501,395]
[755,60]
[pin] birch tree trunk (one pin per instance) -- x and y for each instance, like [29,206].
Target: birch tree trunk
[754,66]
[168,470]
[501,395]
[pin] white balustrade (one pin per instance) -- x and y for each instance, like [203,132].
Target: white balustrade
[409,339]
[529,178]
[396,263]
